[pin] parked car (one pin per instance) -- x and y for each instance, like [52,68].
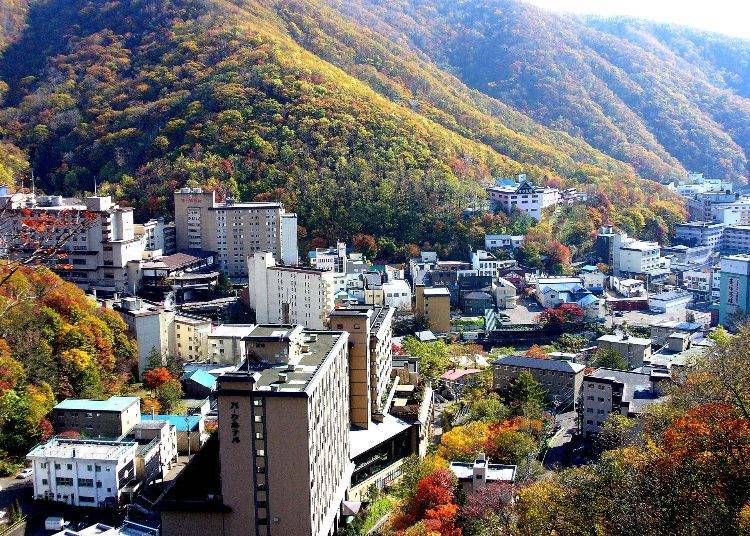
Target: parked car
[54,523]
[26,473]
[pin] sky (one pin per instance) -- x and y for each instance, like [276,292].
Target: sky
[730,17]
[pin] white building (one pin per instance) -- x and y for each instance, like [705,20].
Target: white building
[226,343]
[629,288]
[98,254]
[700,233]
[699,283]
[736,212]
[671,302]
[151,326]
[83,472]
[637,257]
[234,230]
[593,278]
[333,258]
[397,294]
[155,235]
[289,295]
[164,434]
[696,183]
[485,263]
[498,241]
[736,239]
[523,196]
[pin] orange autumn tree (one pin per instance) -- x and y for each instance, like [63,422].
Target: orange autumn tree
[157,377]
[537,352]
[433,506]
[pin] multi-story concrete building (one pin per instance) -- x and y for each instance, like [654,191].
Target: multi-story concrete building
[636,257]
[160,435]
[670,302]
[700,233]
[735,288]
[700,205]
[83,472]
[150,324]
[434,305]
[370,358]
[635,350]
[98,253]
[283,439]
[736,212]
[226,343]
[156,235]
[189,340]
[333,258]
[608,391]
[234,230]
[284,294]
[111,418]
[699,283]
[522,196]
[485,263]
[736,239]
[561,379]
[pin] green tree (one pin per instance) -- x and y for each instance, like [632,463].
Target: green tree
[526,396]
[169,396]
[488,409]
[611,359]
[617,431]
[434,357]
[224,286]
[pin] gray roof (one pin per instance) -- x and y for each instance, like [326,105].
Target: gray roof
[542,364]
[637,391]
[478,296]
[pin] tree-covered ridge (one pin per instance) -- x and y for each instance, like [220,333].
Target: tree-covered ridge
[55,343]
[143,96]
[619,95]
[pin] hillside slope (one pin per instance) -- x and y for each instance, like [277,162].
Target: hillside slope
[637,105]
[354,133]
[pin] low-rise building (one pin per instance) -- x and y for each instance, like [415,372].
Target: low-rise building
[397,294]
[160,436]
[83,472]
[629,288]
[506,294]
[699,283]
[333,259]
[661,330]
[554,291]
[472,477]
[434,305]
[670,302]
[522,196]
[111,418]
[226,343]
[485,263]
[477,302]
[700,233]
[607,391]
[561,379]
[198,384]
[503,241]
[190,337]
[151,326]
[190,430]
[634,350]
[593,278]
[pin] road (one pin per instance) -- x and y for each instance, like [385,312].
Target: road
[558,450]
[15,490]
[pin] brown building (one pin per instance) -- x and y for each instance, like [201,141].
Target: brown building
[370,358]
[111,418]
[283,442]
[434,304]
[561,379]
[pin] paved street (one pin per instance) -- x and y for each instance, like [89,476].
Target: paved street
[558,451]
[525,312]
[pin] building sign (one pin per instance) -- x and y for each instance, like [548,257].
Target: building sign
[235,417]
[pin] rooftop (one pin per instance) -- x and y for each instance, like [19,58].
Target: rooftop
[232,330]
[671,295]
[83,449]
[113,403]
[536,363]
[201,377]
[456,374]
[619,337]
[637,388]
[437,291]
[176,260]
[495,472]
[182,423]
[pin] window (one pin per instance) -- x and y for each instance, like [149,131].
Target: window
[86,499]
[44,481]
[64,481]
[70,467]
[98,467]
[57,466]
[86,482]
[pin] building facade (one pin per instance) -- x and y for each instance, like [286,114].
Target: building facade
[634,350]
[522,196]
[232,230]
[735,288]
[83,472]
[111,418]
[434,305]
[561,379]
[289,295]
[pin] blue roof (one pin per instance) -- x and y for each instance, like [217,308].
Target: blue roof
[506,182]
[201,377]
[562,287]
[181,422]
[589,268]
[586,300]
[114,403]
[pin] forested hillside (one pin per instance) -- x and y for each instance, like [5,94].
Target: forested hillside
[351,126]
[637,104]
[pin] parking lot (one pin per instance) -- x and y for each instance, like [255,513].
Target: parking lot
[525,312]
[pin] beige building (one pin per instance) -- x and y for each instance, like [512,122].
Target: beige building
[234,230]
[434,304]
[506,295]
[370,359]
[283,441]
[635,350]
[190,337]
[98,254]
[289,295]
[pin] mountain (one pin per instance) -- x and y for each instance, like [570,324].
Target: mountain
[641,104]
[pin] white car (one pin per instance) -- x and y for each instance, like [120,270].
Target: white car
[26,473]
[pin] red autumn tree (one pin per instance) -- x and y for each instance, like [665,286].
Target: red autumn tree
[537,352]
[366,244]
[157,377]
[433,503]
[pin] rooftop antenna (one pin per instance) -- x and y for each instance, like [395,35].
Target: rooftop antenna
[33,184]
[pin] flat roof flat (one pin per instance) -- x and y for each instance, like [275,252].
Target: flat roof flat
[82,449]
[113,403]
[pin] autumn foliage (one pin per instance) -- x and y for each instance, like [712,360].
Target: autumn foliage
[433,505]
[155,378]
